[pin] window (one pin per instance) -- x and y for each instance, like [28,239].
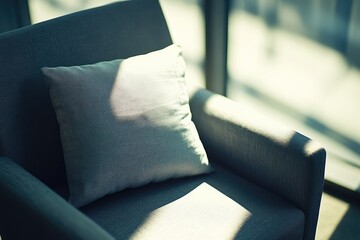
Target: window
[298,61]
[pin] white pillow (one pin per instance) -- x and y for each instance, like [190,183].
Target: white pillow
[125,123]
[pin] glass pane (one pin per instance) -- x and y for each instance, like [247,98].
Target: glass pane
[185,19]
[298,62]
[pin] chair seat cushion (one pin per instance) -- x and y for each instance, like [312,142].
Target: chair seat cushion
[220,205]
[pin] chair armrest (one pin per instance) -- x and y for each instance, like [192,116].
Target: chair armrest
[31,210]
[261,150]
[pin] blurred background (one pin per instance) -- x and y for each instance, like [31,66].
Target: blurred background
[295,61]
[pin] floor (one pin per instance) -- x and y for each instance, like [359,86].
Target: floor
[338,220]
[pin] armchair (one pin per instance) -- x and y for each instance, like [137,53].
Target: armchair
[267,180]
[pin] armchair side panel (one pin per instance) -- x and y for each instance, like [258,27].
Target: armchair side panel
[262,151]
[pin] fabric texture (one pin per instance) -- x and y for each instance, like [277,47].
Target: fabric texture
[31,210]
[125,123]
[263,151]
[220,205]
[29,132]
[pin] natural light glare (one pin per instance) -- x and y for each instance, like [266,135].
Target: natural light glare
[298,81]
[248,117]
[290,68]
[208,213]
[186,25]
[328,221]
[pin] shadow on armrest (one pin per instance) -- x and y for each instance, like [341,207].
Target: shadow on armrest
[31,210]
[261,150]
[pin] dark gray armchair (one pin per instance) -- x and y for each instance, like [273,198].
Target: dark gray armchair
[268,178]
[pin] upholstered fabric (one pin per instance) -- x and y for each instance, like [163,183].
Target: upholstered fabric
[286,171]
[125,123]
[29,133]
[220,205]
[263,151]
[31,210]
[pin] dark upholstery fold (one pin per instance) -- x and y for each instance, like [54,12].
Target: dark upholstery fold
[31,210]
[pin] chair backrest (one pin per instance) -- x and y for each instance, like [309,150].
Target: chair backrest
[29,132]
